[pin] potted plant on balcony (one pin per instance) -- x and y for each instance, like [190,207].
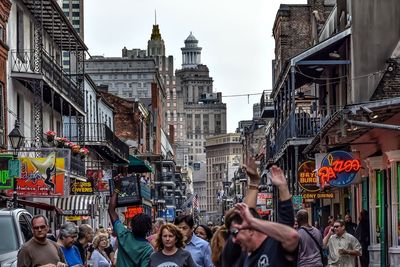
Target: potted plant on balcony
[50,135]
[61,141]
[84,152]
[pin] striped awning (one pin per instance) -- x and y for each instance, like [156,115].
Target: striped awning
[77,205]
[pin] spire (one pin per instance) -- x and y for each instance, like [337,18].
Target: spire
[155,34]
[155,17]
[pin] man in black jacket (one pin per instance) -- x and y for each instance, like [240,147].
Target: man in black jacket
[263,243]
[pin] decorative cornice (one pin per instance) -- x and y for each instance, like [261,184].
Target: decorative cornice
[375,163]
[393,156]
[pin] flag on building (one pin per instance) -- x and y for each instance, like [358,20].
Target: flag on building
[196,203]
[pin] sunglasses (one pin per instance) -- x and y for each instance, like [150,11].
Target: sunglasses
[336,226]
[235,232]
[40,227]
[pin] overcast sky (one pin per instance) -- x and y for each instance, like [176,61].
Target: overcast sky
[236,37]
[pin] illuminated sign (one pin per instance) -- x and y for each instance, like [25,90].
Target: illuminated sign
[318,195]
[6,180]
[132,211]
[82,188]
[338,168]
[307,177]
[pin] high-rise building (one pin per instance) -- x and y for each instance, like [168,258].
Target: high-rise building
[73,10]
[224,154]
[200,114]
[200,111]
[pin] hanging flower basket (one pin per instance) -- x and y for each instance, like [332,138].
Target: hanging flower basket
[50,135]
[84,152]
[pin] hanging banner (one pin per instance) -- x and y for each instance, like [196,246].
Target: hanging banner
[41,177]
[338,169]
[307,177]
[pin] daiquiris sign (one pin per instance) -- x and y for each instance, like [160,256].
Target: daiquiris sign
[338,169]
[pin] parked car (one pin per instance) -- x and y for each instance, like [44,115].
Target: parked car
[15,230]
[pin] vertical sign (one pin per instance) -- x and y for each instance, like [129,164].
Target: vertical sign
[6,180]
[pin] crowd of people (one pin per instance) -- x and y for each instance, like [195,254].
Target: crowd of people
[244,239]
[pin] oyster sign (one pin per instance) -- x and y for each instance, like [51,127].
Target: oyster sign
[338,169]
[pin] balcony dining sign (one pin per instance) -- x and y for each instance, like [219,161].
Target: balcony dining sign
[338,169]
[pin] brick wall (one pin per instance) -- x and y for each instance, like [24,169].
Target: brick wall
[126,118]
[292,30]
[389,86]
[292,34]
[5,7]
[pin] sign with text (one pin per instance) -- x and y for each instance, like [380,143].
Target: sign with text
[307,177]
[132,211]
[338,169]
[129,194]
[318,195]
[41,176]
[82,188]
[6,180]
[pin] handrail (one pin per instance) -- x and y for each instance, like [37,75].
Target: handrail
[97,132]
[26,61]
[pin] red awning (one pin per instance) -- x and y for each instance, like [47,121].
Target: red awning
[39,205]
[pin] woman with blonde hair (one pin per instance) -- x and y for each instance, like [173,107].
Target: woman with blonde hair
[169,246]
[217,245]
[99,257]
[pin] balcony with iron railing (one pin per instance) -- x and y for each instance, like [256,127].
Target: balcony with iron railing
[166,178]
[266,105]
[303,123]
[100,137]
[27,64]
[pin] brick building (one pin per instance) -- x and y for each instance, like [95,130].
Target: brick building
[5,7]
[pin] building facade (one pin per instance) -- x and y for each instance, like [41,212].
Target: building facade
[223,158]
[200,111]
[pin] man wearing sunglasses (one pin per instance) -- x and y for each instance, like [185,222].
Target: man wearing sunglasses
[39,250]
[343,247]
[263,243]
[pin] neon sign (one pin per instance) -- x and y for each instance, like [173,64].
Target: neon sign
[338,169]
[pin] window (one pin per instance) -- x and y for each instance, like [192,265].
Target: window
[2,37]
[20,34]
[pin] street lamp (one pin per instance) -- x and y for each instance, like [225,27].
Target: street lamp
[16,140]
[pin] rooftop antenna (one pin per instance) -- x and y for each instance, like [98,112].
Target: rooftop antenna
[155,17]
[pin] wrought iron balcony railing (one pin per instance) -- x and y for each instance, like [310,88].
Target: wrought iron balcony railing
[97,134]
[266,105]
[303,123]
[27,61]
[77,165]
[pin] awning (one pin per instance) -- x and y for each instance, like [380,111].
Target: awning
[39,205]
[77,205]
[139,166]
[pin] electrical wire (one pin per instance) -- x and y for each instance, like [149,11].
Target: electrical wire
[242,95]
